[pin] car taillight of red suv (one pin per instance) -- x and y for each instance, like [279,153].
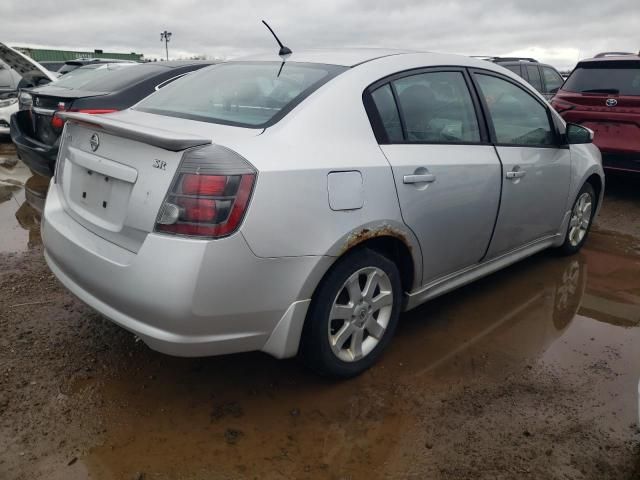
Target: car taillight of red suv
[603,94]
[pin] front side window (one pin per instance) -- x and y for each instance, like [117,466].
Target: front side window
[246,94]
[437,108]
[534,77]
[552,79]
[518,118]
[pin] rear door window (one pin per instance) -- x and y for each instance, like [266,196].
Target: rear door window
[514,68]
[388,113]
[517,117]
[552,79]
[436,107]
[534,77]
[606,76]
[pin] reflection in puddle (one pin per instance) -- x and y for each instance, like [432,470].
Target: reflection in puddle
[452,361]
[20,192]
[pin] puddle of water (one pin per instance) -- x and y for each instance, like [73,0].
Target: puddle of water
[19,220]
[571,322]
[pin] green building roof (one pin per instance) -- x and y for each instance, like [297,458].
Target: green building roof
[40,54]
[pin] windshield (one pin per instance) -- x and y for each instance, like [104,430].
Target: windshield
[621,78]
[251,94]
[94,78]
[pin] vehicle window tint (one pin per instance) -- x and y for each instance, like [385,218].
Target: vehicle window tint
[518,118]
[239,93]
[514,68]
[552,79]
[621,77]
[437,107]
[388,112]
[107,77]
[534,77]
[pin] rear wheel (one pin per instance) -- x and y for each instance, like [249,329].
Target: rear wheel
[353,315]
[580,221]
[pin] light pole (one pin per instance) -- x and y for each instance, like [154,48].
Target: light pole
[166,36]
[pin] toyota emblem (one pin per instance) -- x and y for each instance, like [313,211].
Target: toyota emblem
[94,142]
[612,102]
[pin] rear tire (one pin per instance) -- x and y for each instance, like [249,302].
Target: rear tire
[353,315]
[580,221]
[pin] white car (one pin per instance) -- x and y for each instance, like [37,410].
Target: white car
[17,71]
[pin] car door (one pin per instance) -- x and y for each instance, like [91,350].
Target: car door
[447,175]
[536,165]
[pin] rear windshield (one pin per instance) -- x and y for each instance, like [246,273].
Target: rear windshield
[604,77]
[109,77]
[246,94]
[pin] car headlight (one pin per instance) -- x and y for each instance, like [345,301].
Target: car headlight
[8,101]
[26,101]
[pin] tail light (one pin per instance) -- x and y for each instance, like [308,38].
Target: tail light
[57,123]
[209,194]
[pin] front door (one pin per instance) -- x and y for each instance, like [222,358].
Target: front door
[447,175]
[536,167]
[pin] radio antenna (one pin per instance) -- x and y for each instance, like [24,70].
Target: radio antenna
[284,51]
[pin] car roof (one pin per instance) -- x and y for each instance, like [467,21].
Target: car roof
[347,57]
[612,58]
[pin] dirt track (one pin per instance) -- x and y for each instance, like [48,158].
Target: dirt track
[530,373]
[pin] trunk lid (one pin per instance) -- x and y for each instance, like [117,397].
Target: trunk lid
[114,170]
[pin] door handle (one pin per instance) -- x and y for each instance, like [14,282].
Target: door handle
[419,178]
[516,174]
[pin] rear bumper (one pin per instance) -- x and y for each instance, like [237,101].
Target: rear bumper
[624,162]
[183,297]
[39,157]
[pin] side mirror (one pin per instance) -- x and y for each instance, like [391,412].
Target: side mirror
[578,134]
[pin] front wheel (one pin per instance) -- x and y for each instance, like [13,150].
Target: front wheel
[353,315]
[580,221]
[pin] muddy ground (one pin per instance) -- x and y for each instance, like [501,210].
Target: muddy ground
[531,373]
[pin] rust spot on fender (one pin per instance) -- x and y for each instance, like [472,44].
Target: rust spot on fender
[365,234]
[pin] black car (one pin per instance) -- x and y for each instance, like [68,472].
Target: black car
[71,65]
[544,78]
[95,89]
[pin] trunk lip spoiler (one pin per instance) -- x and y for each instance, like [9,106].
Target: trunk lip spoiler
[165,139]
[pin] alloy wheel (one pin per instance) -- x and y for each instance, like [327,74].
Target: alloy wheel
[580,219]
[360,314]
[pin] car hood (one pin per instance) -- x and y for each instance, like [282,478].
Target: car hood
[23,64]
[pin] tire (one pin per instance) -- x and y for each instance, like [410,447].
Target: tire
[344,313]
[574,239]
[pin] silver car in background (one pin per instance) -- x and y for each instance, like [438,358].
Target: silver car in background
[298,207]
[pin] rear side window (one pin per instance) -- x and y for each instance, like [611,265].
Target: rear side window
[534,77]
[514,68]
[388,113]
[436,107]
[616,77]
[245,94]
[552,79]
[517,117]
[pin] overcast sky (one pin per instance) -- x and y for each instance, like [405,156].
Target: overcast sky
[554,31]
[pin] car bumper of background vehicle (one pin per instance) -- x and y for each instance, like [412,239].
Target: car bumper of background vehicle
[183,297]
[40,158]
[627,162]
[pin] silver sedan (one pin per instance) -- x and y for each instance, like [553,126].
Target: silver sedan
[299,206]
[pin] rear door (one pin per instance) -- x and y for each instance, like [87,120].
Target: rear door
[447,174]
[536,167]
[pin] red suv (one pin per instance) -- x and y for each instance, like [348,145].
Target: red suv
[603,94]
